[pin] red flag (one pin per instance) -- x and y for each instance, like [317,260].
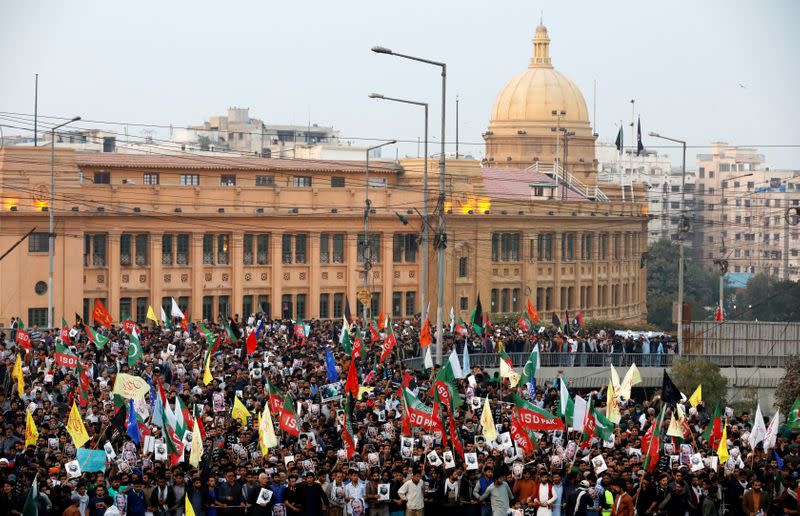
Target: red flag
[520,435]
[376,337]
[454,436]
[65,335]
[580,318]
[425,334]
[251,343]
[352,380]
[381,320]
[533,315]
[523,324]
[486,322]
[406,380]
[718,316]
[716,433]
[388,345]
[100,314]
[128,326]
[185,321]
[23,339]
[288,419]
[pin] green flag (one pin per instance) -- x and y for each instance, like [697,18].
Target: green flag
[603,427]
[792,418]
[476,317]
[208,334]
[529,370]
[444,387]
[229,331]
[717,415]
[135,351]
[99,339]
[31,508]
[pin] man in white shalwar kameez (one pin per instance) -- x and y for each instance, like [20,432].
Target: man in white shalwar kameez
[544,496]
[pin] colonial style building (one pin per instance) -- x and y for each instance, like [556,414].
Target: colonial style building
[231,235]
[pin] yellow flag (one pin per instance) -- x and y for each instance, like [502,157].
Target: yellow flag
[197,448]
[239,411]
[722,451]
[632,377]
[674,429]
[207,370]
[506,371]
[487,422]
[614,380]
[612,407]
[17,373]
[151,315]
[188,509]
[266,431]
[130,386]
[697,397]
[363,389]
[31,433]
[76,428]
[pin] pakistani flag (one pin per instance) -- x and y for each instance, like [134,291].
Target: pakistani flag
[31,508]
[134,349]
[792,418]
[444,386]
[98,338]
[603,427]
[165,320]
[566,406]
[529,370]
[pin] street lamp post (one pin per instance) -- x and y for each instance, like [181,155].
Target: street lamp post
[367,251]
[441,236]
[425,223]
[52,233]
[681,227]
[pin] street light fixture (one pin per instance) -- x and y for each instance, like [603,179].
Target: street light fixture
[426,224]
[51,209]
[681,227]
[441,237]
[366,252]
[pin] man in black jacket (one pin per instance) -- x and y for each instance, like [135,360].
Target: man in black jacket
[311,496]
[580,500]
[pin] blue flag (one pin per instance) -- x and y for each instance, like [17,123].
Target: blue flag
[333,374]
[91,461]
[260,327]
[465,368]
[133,425]
[152,395]
[778,459]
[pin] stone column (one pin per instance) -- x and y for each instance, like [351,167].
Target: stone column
[113,273]
[314,274]
[557,274]
[353,268]
[237,274]
[387,268]
[197,273]
[156,274]
[277,275]
[595,269]
[578,269]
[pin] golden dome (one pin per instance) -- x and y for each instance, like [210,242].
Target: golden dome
[534,94]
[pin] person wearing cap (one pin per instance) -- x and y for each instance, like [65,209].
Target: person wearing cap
[580,500]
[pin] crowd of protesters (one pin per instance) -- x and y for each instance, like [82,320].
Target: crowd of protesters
[310,475]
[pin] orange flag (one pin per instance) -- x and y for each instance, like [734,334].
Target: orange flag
[381,320]
[100,314]
[425,334]
[533,315]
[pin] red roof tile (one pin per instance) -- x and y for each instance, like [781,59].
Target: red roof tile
[509,183]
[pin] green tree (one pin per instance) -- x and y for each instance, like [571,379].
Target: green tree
[688,374]
[746,400]
[788,388]
[767,298]
[701,287]
[204,141]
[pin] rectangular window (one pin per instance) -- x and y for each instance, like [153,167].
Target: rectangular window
[397,304]
[300,242]
[150,179]
[124,308]
[302,181]
[602,249]
[86,302]
[166,249]
[337,182]
[224,306]
[300,301]
[544,247]
[166,303]
[142,249]
[223,251]
[190,180]
[125,248]
[247,249]
[102,178]
[568,246]
[182,254]
[141,309]
[617,246]
[247,306]
[505,297]
[515,295]
[548,298]
[264,306]
[286,248]
[227,180]
[99,250]
[338,305]
[208,249]
[411,303]
[495,300]
[462,266]
[373,250]
[586,246]
[463,303]
[404,247]
[37,317]
[262,249]
[183,304]
[324,306]
[375,304]
[338,248]
[324,248]
[39,243]
[265,180]
[208,308]
[286,306]
[505,247]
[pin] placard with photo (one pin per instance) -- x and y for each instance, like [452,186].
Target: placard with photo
[599,464]
[471,460]
[330,392]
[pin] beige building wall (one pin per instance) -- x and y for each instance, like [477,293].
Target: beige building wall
[94,222]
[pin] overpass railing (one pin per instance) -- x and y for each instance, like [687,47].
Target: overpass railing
[492,360]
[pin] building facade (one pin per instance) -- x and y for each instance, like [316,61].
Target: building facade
[662,186]
[742,207]
[228,235]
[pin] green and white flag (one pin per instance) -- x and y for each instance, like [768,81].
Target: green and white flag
[31,508]
[531,366]
[134,349]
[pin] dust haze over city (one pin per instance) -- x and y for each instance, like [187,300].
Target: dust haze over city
[392,258]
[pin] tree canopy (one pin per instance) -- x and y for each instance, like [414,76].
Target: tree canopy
[688,374]
[767,298]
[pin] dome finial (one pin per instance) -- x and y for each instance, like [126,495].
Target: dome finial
[541,17]
[541,47]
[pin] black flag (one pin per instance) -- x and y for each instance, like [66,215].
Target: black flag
[619,141]
[347,314]
[477,317]
[556,321]
[639,145]
[669,392]
[78,320]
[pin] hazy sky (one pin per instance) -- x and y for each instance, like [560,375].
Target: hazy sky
[179,62]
